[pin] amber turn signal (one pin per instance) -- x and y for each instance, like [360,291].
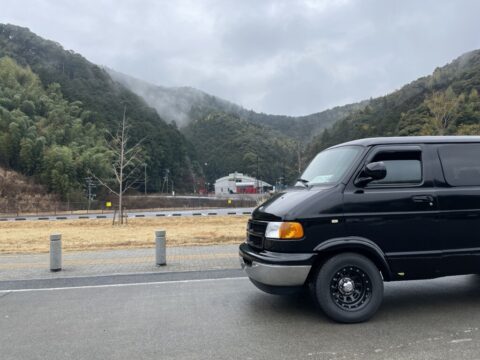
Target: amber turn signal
[290,230]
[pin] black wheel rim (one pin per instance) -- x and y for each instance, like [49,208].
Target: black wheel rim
[351,288]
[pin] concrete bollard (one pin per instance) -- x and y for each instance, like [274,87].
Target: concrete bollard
[160,248]
[55,252]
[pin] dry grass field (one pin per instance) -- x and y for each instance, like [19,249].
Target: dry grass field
[77,235]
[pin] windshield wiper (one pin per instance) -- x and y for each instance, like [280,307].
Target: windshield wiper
[303,181]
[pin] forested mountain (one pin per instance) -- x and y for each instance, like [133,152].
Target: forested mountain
[58,141]
[43,134]
[444,103]
[185,104]
[55,107]
[227,143]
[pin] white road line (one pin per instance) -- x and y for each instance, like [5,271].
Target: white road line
[122,285]
[456,341]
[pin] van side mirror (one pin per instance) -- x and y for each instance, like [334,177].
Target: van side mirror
[371,172]
[376,170]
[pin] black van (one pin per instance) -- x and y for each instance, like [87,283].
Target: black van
[368,211]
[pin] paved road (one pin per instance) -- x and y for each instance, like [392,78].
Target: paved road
[229,319]
[136,214]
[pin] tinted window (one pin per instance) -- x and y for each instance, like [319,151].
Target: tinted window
[461,164]
[403,167]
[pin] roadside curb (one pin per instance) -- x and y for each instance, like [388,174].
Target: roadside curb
[112,279]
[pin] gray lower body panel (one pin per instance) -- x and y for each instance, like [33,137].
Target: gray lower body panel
[276,275]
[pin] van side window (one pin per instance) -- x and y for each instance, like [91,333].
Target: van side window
[461,164]
[403,168]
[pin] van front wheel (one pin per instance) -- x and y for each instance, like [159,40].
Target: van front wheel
[349,288]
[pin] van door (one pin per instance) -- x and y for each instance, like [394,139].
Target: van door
[400,212]
[459,203]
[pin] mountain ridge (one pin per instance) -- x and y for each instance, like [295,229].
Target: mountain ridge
[184,104]
[416,108]
[102,100]
[219,136]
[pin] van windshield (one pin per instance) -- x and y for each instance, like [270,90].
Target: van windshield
[330,166]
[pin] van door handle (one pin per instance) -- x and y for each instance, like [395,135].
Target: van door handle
[423,199]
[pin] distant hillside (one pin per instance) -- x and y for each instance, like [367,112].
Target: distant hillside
[226,143]
[228,137]
[185,104]
[100,102]
[176,104]
[56,107]
[444,103]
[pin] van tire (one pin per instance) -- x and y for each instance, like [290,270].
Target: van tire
[348,288]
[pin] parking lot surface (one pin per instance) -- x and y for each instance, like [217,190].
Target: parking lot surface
[228,318]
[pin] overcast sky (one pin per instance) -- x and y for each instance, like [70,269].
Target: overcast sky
[281,57]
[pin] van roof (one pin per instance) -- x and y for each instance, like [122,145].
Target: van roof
[412,140]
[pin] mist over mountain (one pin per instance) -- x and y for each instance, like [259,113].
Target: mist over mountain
[230,138]
[174,104]
[186,104]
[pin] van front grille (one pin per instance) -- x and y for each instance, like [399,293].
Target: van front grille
[256,233]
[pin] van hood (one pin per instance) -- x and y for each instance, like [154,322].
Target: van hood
[296,203]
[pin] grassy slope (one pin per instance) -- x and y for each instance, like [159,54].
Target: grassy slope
[18,191]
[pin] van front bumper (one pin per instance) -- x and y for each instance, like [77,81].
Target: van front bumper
[275,269]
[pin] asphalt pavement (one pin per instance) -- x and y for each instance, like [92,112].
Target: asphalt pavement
[226,317]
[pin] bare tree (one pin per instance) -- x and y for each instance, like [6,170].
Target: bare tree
[126,163]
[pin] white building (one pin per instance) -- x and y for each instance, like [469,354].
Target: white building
[238,183]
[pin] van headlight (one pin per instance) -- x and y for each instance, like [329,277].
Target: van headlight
[284,230]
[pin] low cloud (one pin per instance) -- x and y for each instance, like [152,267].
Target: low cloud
[280,57]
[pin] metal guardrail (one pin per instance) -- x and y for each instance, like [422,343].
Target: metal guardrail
[132,204]
[144,214]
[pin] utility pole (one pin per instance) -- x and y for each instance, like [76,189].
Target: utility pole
[90,186]
[165,180]
[145,179]
[256,177]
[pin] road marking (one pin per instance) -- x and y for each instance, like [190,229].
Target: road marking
[123,285]
[456,341]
